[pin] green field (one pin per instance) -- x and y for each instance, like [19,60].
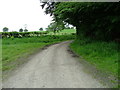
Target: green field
[63,32]
[104,55]
[16,49]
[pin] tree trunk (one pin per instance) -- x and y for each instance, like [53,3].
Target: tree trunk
[78,32]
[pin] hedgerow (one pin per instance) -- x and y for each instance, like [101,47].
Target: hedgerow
[21,34]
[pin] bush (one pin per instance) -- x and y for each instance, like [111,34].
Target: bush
[22,34]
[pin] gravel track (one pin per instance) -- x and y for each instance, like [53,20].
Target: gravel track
[53,67]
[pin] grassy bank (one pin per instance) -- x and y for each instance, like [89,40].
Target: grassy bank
[104,55]
[14,49]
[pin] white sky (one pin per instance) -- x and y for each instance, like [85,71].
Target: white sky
[14,14]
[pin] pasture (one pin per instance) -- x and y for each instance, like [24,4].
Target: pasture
[63,32]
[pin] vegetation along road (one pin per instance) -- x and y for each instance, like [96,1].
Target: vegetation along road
[57,69]
[96,43]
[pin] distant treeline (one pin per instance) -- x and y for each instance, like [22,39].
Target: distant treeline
[21,34]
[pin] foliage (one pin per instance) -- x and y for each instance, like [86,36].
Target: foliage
[91,19]
[56,26]
[67,26]
[21,34]
[25,30]
[102,54]
[5,29]
[41,29]
[21,30]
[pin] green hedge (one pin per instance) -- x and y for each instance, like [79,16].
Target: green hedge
[21,34]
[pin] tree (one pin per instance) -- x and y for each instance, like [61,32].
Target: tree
[21,30]
[94,20]
[56,26]
[46,29]
[5,29]
[52,27]
[41,29]
[25,30]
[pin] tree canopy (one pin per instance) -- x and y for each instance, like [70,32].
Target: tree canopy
[25,30]
[41,29]
[5,29]
[21,30]
[56,26]
[98,20]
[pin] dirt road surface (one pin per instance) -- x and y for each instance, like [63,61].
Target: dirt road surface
[53,67]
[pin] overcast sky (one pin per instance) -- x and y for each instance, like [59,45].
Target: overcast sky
[14,14]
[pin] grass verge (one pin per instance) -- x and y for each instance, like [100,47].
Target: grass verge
[103,55]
